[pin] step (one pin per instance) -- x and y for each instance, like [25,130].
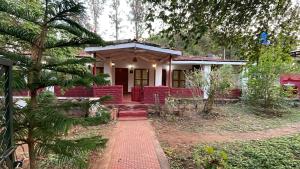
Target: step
[132,118]
[129,107]
[133,113]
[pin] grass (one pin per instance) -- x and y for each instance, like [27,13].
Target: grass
[276,153]
[233,117]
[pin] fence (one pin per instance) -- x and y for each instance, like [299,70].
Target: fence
[6,119]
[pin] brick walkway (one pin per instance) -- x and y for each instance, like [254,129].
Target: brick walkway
[134,146]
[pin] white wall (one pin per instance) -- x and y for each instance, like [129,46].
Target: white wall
[141,64]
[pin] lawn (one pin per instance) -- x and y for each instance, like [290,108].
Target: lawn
[182,136]
[232,117]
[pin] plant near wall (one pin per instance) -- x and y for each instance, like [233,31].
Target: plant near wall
[219,81]
[263,88]
[37,34]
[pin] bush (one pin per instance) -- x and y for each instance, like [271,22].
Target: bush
[263,88]
[267,154]
[101,118]
[207,157]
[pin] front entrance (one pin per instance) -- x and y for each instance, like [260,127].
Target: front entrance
[121,78]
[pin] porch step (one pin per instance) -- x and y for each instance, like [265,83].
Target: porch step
[133,107]
[132,118]
[133,113]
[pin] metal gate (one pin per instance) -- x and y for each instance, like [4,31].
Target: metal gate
[6,118]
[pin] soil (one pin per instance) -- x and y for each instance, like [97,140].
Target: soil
[76,132]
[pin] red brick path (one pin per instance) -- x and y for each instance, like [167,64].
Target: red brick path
[134,146]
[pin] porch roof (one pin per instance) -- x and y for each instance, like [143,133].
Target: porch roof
[134,45]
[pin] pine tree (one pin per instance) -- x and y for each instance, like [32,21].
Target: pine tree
[35,36]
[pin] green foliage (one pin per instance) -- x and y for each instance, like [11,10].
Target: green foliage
[263,87]
[231,24]
[207,157]
[102,118]
[219,81]
[40,37]
[62,152]
[272,154]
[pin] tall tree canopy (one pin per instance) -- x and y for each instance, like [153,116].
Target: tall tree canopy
[137,17]
[230,22]
[37,36]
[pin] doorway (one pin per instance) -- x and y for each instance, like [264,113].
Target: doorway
[121,78]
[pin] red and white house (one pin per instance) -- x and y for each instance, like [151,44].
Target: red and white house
[139,72]
[146,73]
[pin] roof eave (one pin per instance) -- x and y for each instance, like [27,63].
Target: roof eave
[133,45]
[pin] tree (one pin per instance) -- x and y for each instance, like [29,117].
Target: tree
[115,17]
[137,16]
[219,81]
[231,23]
[40,33]
[263,88]
[97,7]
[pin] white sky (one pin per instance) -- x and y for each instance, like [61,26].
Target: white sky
[106,28]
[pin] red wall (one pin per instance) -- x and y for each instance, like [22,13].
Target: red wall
[78,91]
[164,92]
[185,92]
[116,92]
[21,93]
[149,94]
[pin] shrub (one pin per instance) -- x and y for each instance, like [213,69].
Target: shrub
[263,87]
[207,157]
[267,154]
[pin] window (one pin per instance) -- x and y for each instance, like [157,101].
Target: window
[99,70]
[178,78]
[141,77]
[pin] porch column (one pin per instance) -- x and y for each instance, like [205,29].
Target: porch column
[207,70]
[170,72]
[244,81]
[158,75]
[107,69]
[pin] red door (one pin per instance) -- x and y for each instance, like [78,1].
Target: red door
[121,78]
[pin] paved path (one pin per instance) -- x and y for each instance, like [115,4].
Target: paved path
[133,145]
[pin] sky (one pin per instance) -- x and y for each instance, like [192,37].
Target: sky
[106,28]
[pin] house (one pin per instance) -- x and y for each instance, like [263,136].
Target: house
[145,72]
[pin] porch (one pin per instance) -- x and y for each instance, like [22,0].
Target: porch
[145,73]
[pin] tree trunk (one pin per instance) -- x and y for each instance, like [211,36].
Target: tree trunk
[34,77]
[208,106]
[31,151]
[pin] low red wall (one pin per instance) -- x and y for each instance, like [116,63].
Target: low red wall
[78,91]
[185,92]
[116,93]
[21,93]
[164,92]
[149,94]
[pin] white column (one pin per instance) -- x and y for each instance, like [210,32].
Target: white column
[207,70]
[158,75]
[244,81]
[107,69]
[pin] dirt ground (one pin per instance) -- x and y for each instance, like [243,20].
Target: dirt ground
[179,135]
[181,139]
[76,132]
